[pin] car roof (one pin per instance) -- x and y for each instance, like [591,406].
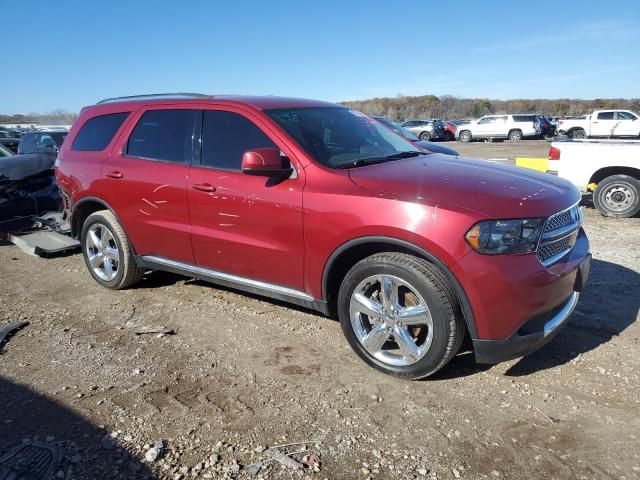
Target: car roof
[266,102]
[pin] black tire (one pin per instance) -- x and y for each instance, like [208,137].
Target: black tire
[578,134]
[618,196]
[448,136]
[465,136]
[448,324]
[426,136]
[128,272]
[515,135]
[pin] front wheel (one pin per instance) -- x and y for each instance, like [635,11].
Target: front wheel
[426,136]
[400,315]
[618,196]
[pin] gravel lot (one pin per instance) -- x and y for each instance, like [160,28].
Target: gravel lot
[242,374]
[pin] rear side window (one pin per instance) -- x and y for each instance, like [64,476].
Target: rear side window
[165,135]
[605,116]
[225,138]
[98,132]
[523,118]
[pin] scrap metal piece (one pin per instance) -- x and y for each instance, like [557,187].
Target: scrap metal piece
[44,243]
[5,330]
[30,461]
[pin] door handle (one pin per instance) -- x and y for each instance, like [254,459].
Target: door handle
[114,174]
[204,187]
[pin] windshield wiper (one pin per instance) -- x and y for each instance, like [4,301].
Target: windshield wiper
[410,154]
[373,160]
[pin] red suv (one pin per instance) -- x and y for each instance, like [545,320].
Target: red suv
[321,206]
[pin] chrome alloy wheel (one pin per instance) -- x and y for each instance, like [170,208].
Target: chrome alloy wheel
[391,320]
[102,252]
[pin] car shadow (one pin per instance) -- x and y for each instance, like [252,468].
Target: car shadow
[80,449]
[609,304]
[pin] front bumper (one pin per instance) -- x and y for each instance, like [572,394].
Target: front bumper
[537,331]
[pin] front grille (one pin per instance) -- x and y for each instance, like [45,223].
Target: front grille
[559,220]
[549,250]
[559,235]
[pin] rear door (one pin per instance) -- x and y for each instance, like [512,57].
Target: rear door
[244,225]
[604,124]
[145,180]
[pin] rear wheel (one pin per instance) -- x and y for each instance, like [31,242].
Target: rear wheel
[515,135]
[400,315]
[618,196]
[425,136]
[465,136]
[107,252]
[579,134]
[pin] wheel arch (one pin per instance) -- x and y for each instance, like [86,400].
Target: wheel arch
[605,172]
[352,251]
[85,207]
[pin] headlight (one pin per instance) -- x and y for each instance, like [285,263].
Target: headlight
[493,237]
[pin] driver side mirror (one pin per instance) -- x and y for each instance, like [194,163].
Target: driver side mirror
[265,162]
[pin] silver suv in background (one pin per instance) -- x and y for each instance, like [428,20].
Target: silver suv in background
[513,127]
[425,129]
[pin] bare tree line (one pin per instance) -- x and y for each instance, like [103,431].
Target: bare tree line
[448,107]
[426,106]
[55,117]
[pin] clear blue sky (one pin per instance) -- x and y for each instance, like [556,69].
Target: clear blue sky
[67,54]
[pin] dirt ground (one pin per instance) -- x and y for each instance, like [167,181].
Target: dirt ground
[242,373]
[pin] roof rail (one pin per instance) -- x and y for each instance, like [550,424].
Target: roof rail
[179,95]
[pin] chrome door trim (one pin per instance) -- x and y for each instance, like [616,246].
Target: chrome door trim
[214,275]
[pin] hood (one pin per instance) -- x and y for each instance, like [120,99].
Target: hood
[435,148]
[22,166]
[491,189]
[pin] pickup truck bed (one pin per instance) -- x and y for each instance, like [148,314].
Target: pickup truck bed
[610,169]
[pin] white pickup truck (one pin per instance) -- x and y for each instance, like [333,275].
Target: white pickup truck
[602,123]
[610,169]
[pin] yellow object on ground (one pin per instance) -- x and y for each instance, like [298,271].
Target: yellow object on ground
[539,164]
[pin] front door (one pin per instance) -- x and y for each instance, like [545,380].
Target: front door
[627,125]
[245,225]
[145,181]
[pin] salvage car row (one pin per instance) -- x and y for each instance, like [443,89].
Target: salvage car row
[515,127]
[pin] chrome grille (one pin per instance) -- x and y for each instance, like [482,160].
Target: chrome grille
[559,235]
[550,250]
[558,220]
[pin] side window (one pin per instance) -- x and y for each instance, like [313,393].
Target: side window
[225,138]
[45,140]
[605,116]
[523,118]
[626,116]
[485,120]
[98,132]
[165,135]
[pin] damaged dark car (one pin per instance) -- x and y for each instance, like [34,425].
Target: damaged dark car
[27,188]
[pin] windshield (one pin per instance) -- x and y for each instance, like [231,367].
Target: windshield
[338,137]
[398,129]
